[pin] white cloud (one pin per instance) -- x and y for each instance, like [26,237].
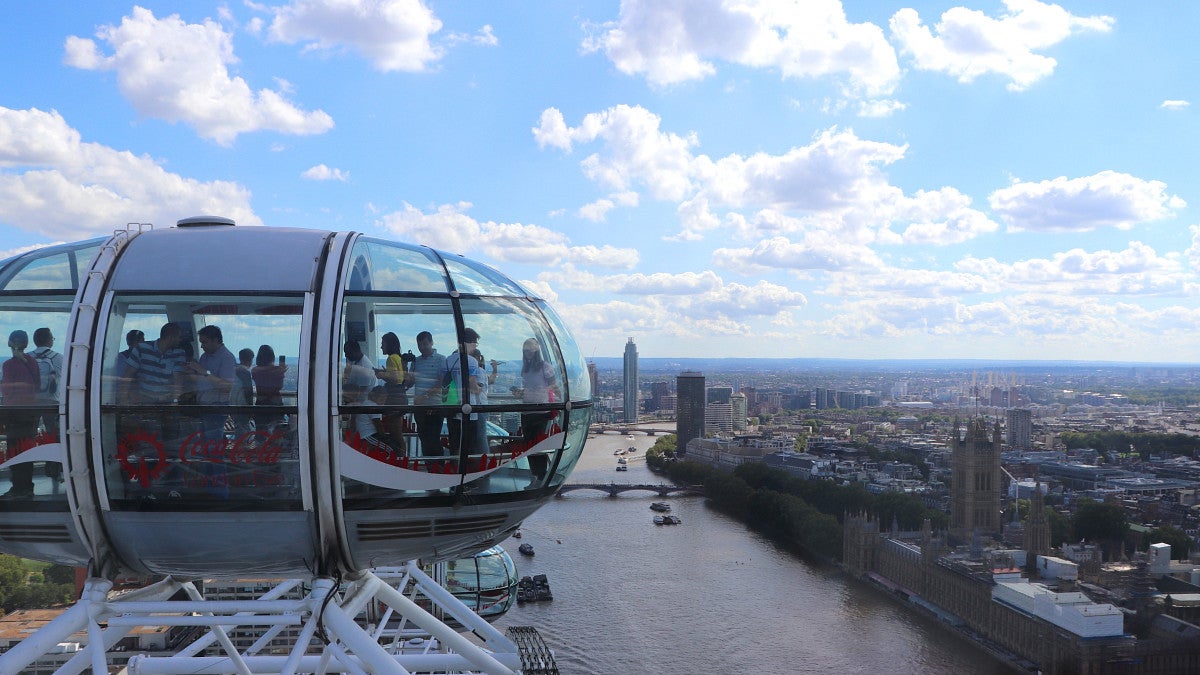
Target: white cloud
[1106,199]
[391,34]
[179,72]
[675,41]
[62,187]
[940,217]
[451,229]
[1136,270]
[967,44]
[322,172]
[834,183]
[818,252]
[880,107]
[598,210]
[484,37]
[1173,104]
[694,302]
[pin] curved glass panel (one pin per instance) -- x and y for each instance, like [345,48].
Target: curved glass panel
[391,396]
[31,380]
[198,394]
[484,582]
[377,265]
[577,428]
[474,278]
[52,268]
[578,380]
[487,420]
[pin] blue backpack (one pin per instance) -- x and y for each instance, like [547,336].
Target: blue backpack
[48,374]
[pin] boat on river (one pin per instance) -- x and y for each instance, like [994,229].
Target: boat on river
[526,549]
[660,506]
[534,589]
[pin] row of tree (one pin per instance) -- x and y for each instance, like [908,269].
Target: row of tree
[806,515]
[798,514]
[1124,442]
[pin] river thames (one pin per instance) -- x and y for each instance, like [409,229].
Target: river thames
[706,596]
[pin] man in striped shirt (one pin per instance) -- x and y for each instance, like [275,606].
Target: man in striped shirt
[155,367]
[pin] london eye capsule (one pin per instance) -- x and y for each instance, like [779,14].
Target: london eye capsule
[213,400]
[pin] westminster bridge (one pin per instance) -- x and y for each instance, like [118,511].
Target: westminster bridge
[614,489]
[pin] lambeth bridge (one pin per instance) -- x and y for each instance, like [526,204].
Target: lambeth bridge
[614,489]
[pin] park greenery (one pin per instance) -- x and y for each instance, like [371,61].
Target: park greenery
[25,584]
[1126,442]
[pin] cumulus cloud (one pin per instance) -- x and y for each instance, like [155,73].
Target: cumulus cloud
[391,34]
[940,217]
[598,210]
[322,172]
[179,72]
[61,187]
[818,252]
[680,40]
[1174,104]
[1106,199]
[449,227]
[967,43]
[1136,270]
[698,301]
[836,182]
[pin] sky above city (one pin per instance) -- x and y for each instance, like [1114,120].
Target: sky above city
[859,179]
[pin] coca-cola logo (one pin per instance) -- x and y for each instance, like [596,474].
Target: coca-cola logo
[252,447]
[141,456]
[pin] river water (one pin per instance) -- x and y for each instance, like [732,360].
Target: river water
[706,596]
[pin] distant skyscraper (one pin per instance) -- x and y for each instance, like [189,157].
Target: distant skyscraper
[740,407]
[631,381]
[594,377]
[689,408]
[1019,423]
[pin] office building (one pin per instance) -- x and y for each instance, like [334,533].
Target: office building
[631,382]
[1019,428]
[689,412]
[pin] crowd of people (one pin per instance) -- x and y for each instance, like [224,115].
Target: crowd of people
[165,372]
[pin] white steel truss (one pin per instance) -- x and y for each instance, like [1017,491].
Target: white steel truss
[364,625]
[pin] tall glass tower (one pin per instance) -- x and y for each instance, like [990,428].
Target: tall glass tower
[631,382]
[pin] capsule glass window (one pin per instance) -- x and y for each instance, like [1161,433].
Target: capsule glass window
[199,400]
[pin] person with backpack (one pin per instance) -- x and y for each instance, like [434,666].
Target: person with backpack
[50,366]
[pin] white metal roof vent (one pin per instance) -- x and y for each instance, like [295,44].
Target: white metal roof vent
[205,221]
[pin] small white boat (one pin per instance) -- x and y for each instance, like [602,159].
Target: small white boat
[622,461]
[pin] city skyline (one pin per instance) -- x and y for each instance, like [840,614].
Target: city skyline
[859,180]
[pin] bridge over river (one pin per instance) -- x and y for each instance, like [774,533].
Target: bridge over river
[614,489]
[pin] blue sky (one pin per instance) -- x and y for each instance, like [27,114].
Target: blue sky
[859,179]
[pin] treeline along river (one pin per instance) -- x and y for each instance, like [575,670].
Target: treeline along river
[706,596]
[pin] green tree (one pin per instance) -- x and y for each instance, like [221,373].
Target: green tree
[1100,522]
[1179,540]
